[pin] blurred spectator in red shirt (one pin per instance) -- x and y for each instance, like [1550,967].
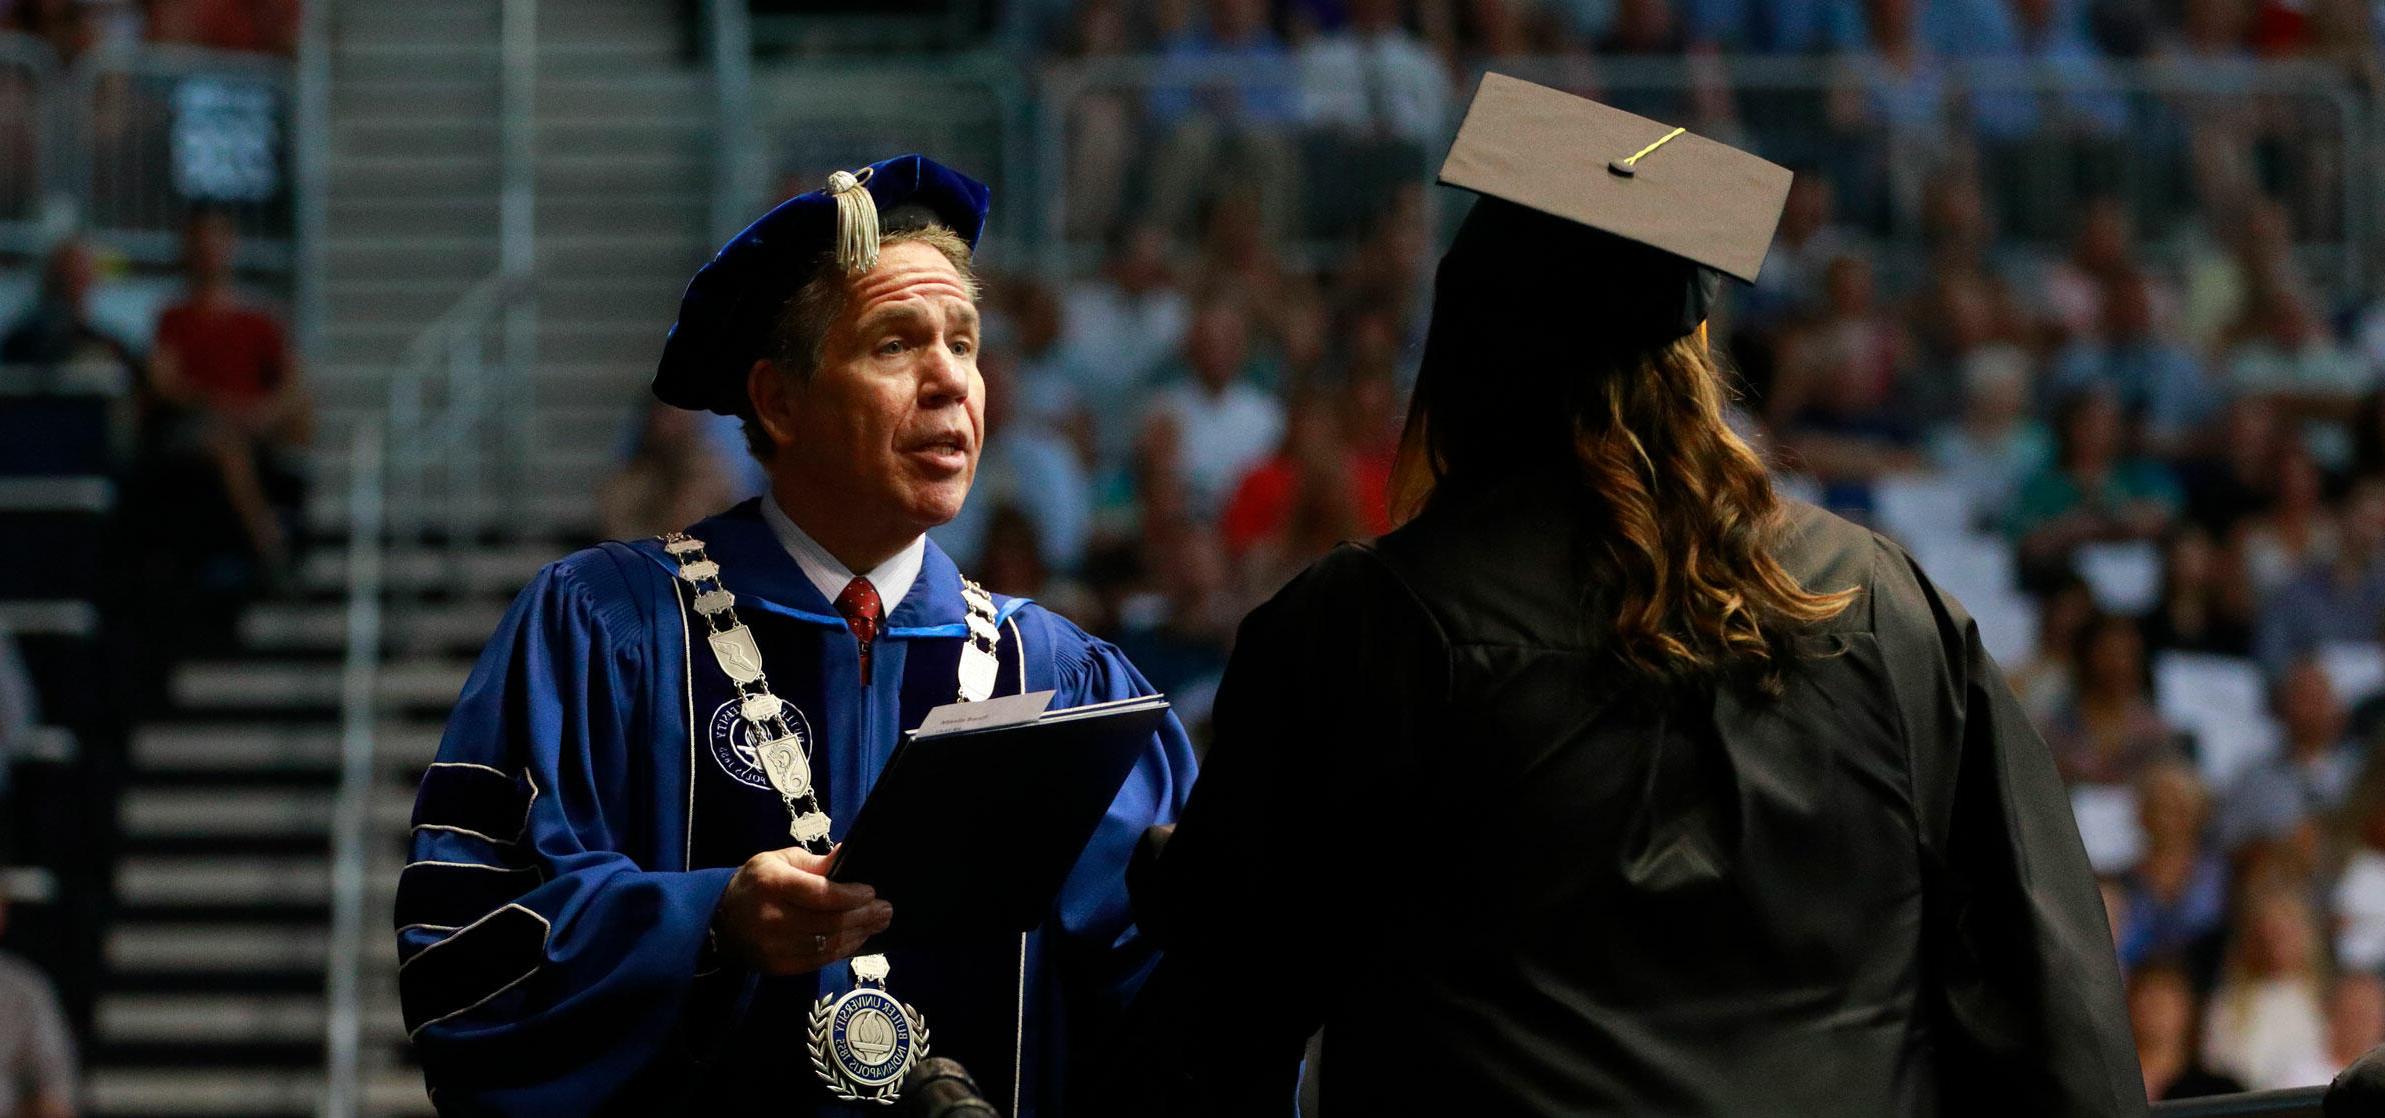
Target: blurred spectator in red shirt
[258,26]
[231,390]
[1314,492]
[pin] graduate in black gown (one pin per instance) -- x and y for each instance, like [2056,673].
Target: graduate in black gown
[1611,782]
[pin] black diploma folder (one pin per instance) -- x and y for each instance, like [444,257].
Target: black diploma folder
[982,812]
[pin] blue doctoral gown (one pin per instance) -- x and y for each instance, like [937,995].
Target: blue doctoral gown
[595,792]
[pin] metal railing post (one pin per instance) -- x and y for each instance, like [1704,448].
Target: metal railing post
[518,254]
[311,159]
[733,109]
[343,1091]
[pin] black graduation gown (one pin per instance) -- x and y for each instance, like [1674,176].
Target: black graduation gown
[1441,827]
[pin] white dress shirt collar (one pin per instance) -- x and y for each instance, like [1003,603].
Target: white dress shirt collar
[892,579]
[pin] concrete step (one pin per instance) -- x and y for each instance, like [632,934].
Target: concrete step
[400,746]
[411,257]
[412,137]
[378,177]
[306,685]
[631,95]
[561,426]
[248,1093]
[128,1018]
[565,515]
[641,171]
[205,948]
[324,627]
[680,211]
[257,812]
[415,98]
[500,569]
[620,345]
[226,812]
[156,881]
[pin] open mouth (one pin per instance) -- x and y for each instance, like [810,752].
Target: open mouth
[945,452]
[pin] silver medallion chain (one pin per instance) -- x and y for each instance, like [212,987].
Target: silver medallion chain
[778,743]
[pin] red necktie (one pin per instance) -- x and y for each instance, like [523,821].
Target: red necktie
[862,609]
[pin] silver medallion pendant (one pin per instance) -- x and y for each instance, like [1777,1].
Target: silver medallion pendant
[864,1041]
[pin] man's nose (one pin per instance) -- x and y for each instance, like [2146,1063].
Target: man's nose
[943,376]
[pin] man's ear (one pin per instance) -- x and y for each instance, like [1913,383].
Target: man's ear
[774,403]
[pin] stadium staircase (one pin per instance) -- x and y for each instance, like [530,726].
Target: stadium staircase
[214,996]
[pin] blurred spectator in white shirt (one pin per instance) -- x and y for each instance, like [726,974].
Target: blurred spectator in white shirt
[1223,425]
[2297,532]
[1374,78]
[2265,1025]
[1118,329]
[1995,444]
[1043,386]
[2310,776]
[2339,600]
[1026,466]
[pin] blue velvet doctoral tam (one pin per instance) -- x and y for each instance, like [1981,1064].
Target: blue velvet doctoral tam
[595,793]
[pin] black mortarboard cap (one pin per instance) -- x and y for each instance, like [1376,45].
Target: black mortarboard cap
[727,314]
[1611,218]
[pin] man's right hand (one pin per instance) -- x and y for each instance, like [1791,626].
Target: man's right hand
[781,914]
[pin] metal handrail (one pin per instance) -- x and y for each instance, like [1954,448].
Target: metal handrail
[352,810]
[2293,1102]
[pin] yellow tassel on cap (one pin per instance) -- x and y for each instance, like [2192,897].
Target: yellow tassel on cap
[856,221]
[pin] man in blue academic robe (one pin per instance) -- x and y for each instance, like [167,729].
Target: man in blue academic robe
[604,912]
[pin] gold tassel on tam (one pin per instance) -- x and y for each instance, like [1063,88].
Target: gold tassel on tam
[856,221]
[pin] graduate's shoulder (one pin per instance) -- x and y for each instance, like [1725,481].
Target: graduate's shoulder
[1894,595]
[1354,586]
[1826,553]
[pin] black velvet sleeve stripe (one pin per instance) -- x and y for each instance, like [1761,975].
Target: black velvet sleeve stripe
[474,799]
[476,963]
[442,895]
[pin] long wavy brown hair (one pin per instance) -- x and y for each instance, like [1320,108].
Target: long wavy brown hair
[1684,510]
